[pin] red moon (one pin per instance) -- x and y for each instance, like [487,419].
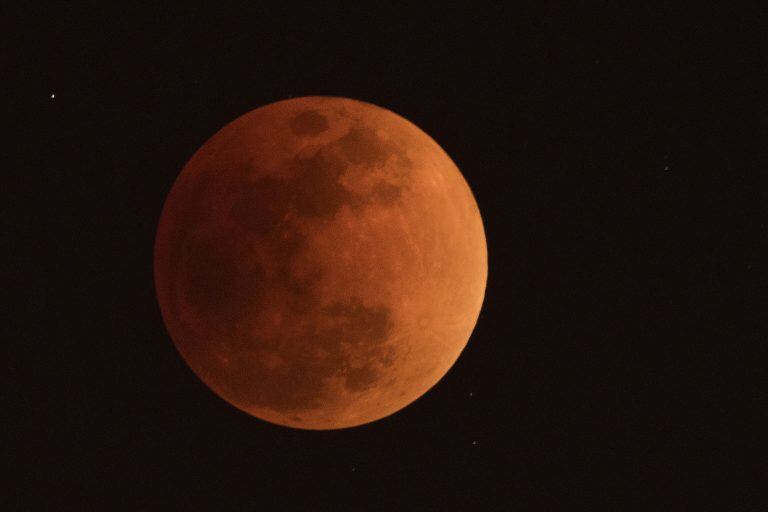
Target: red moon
[320,263]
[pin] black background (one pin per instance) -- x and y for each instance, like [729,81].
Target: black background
[617,158]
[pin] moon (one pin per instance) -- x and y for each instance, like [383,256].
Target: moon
[320,263]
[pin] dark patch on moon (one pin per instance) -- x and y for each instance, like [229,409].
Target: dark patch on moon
[361,145]
[314,189]
[358,323]
[318,192]
[364,330]
[350,348]
[314,192]
[262,206]
[216,286]
[308,123]
[360,379]
[386,193]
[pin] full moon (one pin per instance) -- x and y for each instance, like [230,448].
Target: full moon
[320,263]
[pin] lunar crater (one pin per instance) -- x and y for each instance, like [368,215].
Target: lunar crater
[309,123]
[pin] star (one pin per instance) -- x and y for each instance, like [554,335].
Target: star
[53,95]
[666,167]
[471,394]
[474,443]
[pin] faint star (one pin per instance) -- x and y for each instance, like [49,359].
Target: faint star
[474,443]
[53,96]
[666,167]
[471,394]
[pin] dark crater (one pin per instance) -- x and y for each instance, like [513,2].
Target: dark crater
[361,145]
[308,123]
[319,194]
[386,193]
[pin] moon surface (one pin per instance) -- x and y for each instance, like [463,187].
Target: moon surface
[320,263]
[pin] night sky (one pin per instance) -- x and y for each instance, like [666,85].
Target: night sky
[618,160]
